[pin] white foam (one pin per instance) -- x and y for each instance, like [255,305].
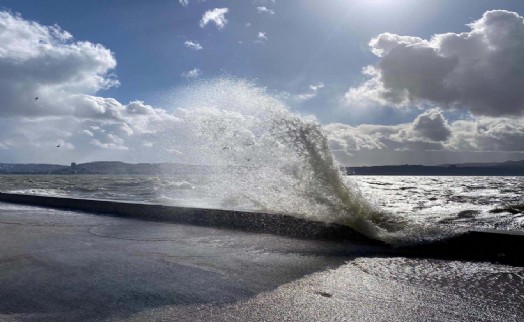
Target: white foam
[269,159]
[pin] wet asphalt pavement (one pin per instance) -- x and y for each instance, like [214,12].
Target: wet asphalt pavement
[63,265]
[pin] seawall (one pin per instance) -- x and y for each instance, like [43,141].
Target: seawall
[477,245]
[232,219]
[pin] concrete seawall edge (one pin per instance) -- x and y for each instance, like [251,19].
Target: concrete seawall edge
[484,245]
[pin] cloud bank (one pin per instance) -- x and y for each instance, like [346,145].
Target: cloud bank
[42,61]
[430,131]
[47,63]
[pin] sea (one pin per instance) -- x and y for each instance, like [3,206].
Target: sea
[448,205]
[453,202]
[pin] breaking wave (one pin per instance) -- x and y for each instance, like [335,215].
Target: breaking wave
[266,158]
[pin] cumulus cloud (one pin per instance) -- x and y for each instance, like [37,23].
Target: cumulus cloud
[487,134]
[112,141]
[193,45]
[428,126]
[343,137]
[431,131]
[65,74]
[45,62]
[194,73]
[216,16]
[263,9]
[481,70]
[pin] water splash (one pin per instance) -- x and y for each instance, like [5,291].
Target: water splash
[266,158]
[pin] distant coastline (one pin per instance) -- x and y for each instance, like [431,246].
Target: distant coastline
[509,168]
[100,167]
[501,169]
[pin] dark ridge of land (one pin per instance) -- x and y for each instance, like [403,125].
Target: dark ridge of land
[102,167]
[510,168]
[30,168]
[117,167]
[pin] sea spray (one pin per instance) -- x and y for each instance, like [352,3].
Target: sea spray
[264,157]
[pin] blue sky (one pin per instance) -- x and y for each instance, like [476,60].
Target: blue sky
[308,53]
[308,41]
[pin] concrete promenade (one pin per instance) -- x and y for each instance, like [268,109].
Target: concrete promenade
[60,265]
[63,265]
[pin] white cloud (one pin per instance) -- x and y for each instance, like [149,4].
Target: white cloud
[263,9]
[185,3]
[216,16]
[343,137]
[313,91]
[193,45]
[261,38]
[488,134]
[316,87]
[118,145]
[194,73]
[87,132]
[480,70]
[431,131]
[65,74]
[428,126]
[45,62]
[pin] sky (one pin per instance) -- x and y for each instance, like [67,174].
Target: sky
[390,81]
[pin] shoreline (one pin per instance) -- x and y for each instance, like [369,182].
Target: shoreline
[476,244]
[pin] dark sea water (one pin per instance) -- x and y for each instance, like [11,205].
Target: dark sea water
[480,202]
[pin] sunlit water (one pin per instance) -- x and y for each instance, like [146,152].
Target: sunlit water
[480,202]
[459,201]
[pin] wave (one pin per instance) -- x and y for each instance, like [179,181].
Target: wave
[267,158]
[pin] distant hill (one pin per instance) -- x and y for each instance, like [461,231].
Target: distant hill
[101,167]
[13,168]
[116,167]
[507,164]
[510,168]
